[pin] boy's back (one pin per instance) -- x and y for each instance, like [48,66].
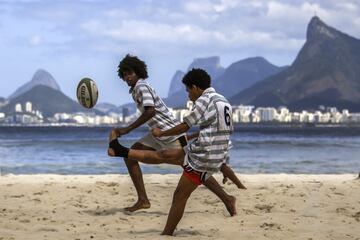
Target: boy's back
[213,113]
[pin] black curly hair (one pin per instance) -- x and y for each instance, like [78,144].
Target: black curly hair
[132,63]
[197,77]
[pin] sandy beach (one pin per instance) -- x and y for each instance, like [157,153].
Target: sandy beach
[279,206]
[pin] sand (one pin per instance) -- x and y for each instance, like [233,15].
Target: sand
[277,206]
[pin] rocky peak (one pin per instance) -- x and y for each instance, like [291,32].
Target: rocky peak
[41,77]
[210,64]
[317,29]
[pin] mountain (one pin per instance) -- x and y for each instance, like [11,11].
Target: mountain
[176,84]
[228,82]
[41,77]
[105,107]
[325,72]
[242,74]
[210,64]
[2,102]
[177,95]
[47,100]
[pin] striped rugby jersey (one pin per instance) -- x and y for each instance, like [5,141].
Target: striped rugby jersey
[213,113]
[145,96]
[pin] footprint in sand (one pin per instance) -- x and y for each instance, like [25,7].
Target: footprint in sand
[248,211]
[265,207]
[37,200]
[17,196]
[25,221]
[48,229]
[40,193]
[357,216]
[112,184]
[211,202]
[267,226]
[342,210]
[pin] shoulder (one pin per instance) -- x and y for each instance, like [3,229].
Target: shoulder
[202,101]
[142,85]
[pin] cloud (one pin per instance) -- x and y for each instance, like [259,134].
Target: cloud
[186,35]
[205,23]
[35,40]
[224,5]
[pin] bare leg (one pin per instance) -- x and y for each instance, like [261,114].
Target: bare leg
[170,156]
[229,173]
[176,157]
[136,176]
[137,179]
[228,200]
[182,193]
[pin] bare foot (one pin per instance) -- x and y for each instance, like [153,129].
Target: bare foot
[231,206]
[138,205]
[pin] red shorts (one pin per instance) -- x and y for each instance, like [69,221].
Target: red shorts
[195,176]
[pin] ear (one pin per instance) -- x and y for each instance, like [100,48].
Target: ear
[195,87]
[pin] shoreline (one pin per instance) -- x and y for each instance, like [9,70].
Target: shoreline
[39,178]
[236,125]
[275,206]
[263,176]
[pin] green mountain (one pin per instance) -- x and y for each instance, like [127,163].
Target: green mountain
[48,101]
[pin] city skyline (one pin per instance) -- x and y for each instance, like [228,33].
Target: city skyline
[72,40]
[25,114]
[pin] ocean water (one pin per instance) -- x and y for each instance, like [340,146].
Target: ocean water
[83,150]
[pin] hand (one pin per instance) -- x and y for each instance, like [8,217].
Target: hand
[121,131]
[156,132]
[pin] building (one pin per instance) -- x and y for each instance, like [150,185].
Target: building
[242,113]
[28,107]
[2,116]
[266,114]
[18,107]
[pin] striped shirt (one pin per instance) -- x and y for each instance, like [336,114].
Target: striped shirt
[213,113]
[145,96]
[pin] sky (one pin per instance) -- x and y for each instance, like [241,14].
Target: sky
[88,38]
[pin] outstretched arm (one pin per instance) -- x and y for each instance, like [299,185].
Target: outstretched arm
[178,129]
[144,117]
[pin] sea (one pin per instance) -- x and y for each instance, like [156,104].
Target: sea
[256,149]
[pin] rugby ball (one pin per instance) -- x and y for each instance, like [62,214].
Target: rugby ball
[87,92]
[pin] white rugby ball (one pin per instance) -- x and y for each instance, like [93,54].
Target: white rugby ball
[87,92]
